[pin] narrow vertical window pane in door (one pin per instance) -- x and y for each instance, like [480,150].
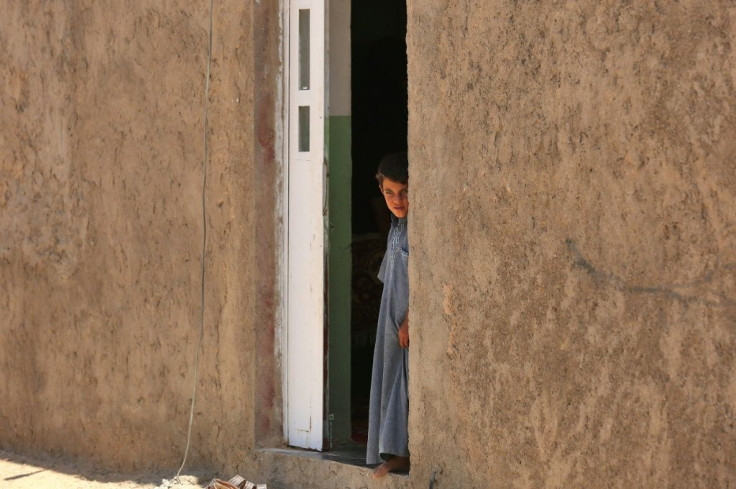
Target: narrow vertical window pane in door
[304,49]
[304,128]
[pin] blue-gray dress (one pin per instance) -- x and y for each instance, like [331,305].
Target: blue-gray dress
[389,405]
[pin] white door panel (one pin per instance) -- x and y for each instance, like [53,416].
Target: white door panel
[305,188]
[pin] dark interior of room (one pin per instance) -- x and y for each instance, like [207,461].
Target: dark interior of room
[379,127]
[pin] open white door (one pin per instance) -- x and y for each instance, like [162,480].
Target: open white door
[305,236]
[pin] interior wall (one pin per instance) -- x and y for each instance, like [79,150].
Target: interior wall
[101,231]
[573,235]
[338,125]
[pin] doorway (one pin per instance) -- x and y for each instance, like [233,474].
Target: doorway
[379,127]
[335,219]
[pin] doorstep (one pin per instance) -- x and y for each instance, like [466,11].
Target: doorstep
[292,468]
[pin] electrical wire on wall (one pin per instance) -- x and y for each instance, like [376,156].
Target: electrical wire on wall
[204,244]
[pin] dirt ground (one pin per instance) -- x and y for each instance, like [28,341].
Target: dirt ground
[22,472]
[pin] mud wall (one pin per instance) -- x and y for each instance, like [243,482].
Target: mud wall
[573,237]
[572,231]
[101,180]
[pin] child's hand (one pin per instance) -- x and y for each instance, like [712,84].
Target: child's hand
[404,335]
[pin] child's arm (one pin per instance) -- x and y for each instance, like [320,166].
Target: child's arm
[404,332]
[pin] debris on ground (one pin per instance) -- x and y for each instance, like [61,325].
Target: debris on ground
[236,482]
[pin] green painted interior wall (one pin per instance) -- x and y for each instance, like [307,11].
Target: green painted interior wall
[338,143]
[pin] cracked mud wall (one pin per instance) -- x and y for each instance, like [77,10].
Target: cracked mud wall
[100,231]
[573,235]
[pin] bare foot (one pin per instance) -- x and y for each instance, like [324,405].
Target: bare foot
[392,464]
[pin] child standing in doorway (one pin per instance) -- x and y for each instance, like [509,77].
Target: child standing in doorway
[388,438]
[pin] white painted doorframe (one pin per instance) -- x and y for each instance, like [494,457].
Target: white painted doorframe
[304,212]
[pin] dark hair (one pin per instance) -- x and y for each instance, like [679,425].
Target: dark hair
[394,166]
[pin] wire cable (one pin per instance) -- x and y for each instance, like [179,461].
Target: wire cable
[204,243]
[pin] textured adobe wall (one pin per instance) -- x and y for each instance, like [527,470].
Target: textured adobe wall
[572,239]
[573,178]
[100,231]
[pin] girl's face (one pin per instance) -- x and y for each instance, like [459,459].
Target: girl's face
[397,197]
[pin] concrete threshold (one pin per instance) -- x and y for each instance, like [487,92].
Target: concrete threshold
[341,467]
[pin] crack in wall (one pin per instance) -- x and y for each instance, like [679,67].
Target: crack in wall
[677,292]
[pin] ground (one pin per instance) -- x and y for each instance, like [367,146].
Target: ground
[43,473]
